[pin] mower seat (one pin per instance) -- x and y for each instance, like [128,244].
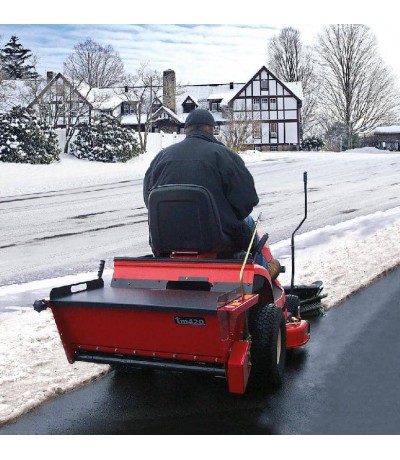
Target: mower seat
[184,218]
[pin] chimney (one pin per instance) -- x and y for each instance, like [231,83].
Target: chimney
[231,85]
[50,76]
[169,89]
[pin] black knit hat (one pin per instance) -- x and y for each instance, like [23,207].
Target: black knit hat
[200,117]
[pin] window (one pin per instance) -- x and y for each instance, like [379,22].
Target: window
[155,106]
[273,130]
[264,84]
[257,131]
[203,103]
[272,104]
[256,103]
[215,106]
[188,107]
[274,148]
[75,109]
[127,108]
[59,87]
[264,103]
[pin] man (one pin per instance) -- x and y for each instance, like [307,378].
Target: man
[202,160]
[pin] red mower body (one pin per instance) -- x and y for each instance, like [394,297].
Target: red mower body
[188,315]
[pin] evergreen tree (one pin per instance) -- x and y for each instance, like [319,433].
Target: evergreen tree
[25,139]
[13,59]
[105,140]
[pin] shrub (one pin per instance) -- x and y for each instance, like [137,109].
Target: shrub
[26,139]
[313,143]
[105,140]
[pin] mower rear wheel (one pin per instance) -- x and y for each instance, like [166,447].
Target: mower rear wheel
[268,346]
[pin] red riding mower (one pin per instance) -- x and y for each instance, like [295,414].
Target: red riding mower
[183,309]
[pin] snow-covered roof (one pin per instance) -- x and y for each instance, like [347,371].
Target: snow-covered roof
[224,92]
[132,119]
[296,88]
[101,98]
[202,94]
[387,130]
[163,109]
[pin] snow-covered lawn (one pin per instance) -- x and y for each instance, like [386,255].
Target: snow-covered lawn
[33,367]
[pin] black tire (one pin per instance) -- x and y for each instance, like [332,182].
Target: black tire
[268,346]
[292,304]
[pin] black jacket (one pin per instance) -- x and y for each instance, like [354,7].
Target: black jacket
[201,160]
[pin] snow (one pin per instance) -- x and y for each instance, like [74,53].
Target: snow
[33,368]
[387,130]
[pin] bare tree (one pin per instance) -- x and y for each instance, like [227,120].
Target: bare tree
[292,61]
[143,91]
[98,66]
[358,89]
[238,129]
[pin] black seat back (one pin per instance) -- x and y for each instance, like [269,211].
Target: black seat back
[184,218]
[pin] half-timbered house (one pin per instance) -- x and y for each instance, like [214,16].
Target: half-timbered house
[271,106]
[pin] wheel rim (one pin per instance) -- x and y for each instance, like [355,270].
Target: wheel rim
[278,347]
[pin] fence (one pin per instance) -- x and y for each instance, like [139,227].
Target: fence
[158,141]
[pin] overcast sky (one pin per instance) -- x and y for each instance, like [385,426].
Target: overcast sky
[232,50]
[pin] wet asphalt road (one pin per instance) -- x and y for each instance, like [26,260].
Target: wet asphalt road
[345,381]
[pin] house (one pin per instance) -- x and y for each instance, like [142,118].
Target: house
[62,102]
[387,137]
[273,107]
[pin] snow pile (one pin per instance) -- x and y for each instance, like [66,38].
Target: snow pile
[348,261]
[70,172]
[366,150]
[33,367]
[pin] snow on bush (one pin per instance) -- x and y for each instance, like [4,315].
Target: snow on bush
[26,139]
[105,140]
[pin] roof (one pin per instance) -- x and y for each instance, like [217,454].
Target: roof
[111,98]
[204,93]
[387,130]
[295,87]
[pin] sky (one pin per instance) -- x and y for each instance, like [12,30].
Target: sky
[28,378]
[231,48]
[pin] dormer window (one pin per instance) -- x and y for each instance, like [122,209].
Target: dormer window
[128,108]
[215,105]
[188,105]
[156,105]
